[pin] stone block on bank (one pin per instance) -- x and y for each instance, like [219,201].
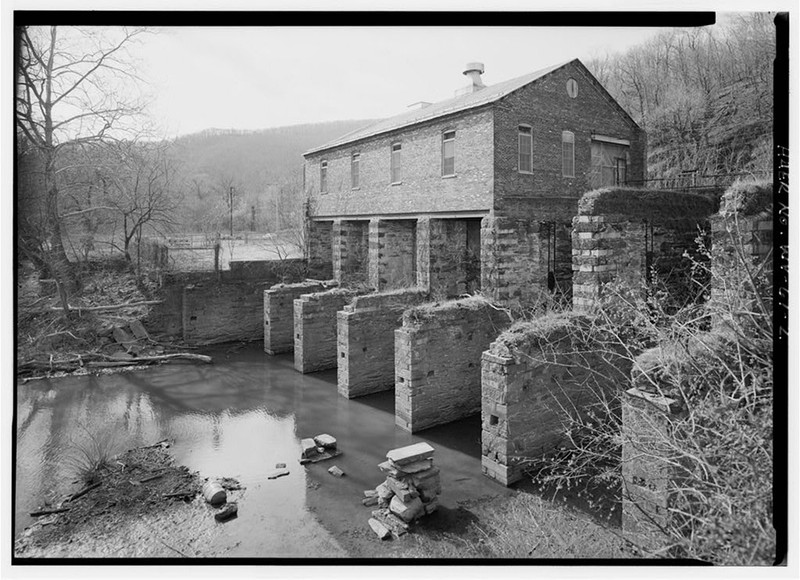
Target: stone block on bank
[308,448]
[407,510]
[325,441]
[380,530]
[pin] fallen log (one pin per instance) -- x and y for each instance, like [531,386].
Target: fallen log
[108,307]
[84,491]
[41,513]
[74,364]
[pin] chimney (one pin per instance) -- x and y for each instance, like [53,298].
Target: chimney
[473,70]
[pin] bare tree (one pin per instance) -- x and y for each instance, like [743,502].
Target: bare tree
[142,191]
[69,90]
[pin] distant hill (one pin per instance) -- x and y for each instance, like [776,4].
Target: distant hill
[264,168]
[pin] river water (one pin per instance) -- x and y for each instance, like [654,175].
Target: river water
[235,418]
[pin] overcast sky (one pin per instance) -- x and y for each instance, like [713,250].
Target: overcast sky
[252,78]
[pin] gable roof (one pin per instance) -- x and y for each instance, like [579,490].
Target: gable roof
[461,103]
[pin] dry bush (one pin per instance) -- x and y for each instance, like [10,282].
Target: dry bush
[714,451]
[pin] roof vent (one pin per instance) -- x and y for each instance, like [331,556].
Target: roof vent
[419,105]
[473,70]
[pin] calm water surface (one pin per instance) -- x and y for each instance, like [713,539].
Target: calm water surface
[235,418]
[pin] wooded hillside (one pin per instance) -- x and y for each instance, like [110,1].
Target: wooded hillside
[704,96]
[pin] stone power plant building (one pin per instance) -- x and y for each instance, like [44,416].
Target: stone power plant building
[474,193]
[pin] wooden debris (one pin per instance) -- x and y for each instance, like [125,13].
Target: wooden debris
[84,491]
[41,513]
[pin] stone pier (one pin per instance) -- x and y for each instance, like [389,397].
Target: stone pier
[531,376]
[366,340]
[438,361]
[279,313]
[315,328]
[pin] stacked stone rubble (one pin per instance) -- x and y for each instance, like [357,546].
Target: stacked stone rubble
[411,489]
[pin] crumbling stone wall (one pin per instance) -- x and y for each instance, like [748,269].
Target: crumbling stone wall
[222,312]
[366,340]
[624,234]
[743,225]
[392,254]
[531,376]
[315,328]
[279,313]
[437,361]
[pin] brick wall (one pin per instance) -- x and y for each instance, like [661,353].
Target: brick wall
[222,312]
[528,376]
[366,340]
[392,254]
[623,234]
[315,328]
[279,313]
[438,361]
[545,106]
[423,189]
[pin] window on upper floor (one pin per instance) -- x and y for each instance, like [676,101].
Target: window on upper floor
[396,162]
[525,149]
[448,153]
[323,176]
[355,161]
[567,154]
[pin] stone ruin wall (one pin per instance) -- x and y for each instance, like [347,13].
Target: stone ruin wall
[437,361]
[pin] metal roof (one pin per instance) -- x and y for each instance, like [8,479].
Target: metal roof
[460,103]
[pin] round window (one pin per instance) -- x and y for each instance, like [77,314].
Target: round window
[572,88]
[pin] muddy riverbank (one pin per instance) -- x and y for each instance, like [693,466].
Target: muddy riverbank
[239,418]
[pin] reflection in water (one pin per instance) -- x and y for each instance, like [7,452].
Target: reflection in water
[236,418]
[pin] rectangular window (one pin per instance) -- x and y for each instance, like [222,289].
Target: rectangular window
[323,177]
[355,160]
[567,154]
[448,153]
[525,149]
[396,150]
[620,171]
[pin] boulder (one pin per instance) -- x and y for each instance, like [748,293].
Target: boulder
[407,511]
[138,330]
[308,448]
[380,530]
[325,441]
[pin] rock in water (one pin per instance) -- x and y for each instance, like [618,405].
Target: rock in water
[278,473]
[308,448]
[227,512]
[325,441]
[335,471]
[381,530]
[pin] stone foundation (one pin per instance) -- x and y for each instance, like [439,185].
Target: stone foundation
[315,328]
[350,251]
[366,340]
[449,256]
[319,251]
[392,254]
[530,375]
[438,361]
[279,313]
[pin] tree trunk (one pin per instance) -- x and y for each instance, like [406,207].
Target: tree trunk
[56,256]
